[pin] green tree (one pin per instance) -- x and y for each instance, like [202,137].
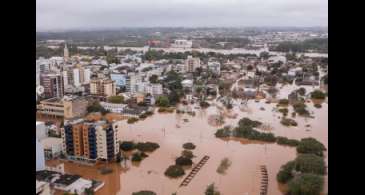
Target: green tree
[162,101]
[153,78]
[318,94]
[187,154]
[96,107]
[310,146]
[301,91]
[211,190]
[310,163]
[306,184]
[174,171]
[189,146]
[183,161]
[264,55]
[89,191]
[286,172]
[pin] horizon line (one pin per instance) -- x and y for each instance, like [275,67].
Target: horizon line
[176,27]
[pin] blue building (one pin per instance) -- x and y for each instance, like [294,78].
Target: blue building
[120,79]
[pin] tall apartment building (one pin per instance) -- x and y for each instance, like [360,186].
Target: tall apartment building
[132,81]
[76,76]
[90,140]
[191,64]
[103,87]
[53,85]
[153,89]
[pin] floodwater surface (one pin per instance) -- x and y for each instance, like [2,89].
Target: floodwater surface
[171,131]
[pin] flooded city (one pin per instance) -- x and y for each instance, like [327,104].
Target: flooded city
[171,131]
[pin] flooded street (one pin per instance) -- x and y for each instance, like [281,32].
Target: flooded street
[171,131]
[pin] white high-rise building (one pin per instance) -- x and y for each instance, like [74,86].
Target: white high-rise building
[40,162]
[106,137]
[65,78]
[76,77]
[132,82]
[87,75]
[41,132]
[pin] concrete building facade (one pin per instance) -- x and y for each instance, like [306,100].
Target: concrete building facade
[90,140]
[103,87]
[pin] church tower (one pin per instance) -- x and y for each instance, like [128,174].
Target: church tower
[65,53]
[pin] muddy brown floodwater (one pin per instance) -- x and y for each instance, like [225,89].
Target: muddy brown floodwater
[242,177]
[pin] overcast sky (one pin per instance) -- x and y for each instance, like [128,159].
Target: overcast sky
[81,14]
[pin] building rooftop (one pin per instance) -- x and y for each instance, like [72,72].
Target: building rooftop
[39,123]
[50,141]
[39,185]
[52,100]
[45,175]
[67,179]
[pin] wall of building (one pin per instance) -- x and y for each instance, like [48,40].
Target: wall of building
[40,161]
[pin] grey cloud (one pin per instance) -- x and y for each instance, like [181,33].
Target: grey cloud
[66,14]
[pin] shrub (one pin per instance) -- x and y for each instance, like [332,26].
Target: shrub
[246,122]
[224,132]
[183,161]
[310,146]
[132,120]
[162,109]
[284,111]
[149,113]
[187,154]
[293,114]
[288,122]
[189,146]
[306,184]
[136,157]
[147,146]
[225,164]
[127,146]
[143,116]
[317,94]
[174,171]
[211,190]
[301,91]
[144,192]
[283,102]
[300,108]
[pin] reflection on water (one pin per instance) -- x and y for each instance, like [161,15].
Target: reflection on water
[245,155]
